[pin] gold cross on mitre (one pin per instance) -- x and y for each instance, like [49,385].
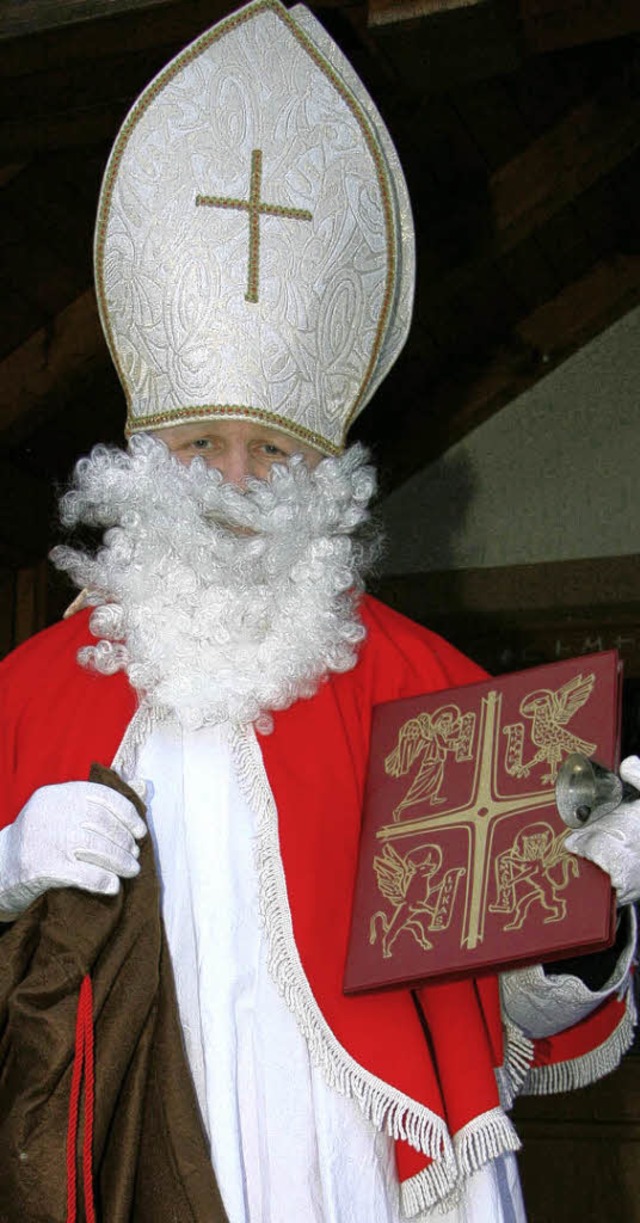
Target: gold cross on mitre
[255,208]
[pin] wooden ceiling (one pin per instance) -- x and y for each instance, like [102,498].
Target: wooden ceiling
[518,124]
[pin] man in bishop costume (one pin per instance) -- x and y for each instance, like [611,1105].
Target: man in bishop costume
[254,270]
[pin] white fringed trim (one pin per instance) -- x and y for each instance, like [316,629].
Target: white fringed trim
[518,1056]
[137,732]
[424,1190]
[485,1137]
[580,1071]
[385,1107]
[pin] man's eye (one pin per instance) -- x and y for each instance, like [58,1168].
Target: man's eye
[274,451]
[200,443]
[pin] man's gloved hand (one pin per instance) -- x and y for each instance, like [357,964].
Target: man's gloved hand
[613,842]
[77,834]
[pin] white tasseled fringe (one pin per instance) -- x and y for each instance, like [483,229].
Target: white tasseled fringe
[484,1138]
[580,1071]
[137,731]
[518,1056]
[424,1190]
[388,1109]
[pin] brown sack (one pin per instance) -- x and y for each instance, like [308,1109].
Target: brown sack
[151,1160]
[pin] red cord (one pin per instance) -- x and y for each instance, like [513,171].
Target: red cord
[83,1060]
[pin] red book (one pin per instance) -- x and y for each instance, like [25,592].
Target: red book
[462,867]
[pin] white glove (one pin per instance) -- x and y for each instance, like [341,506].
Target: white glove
[78,834]
[613,842]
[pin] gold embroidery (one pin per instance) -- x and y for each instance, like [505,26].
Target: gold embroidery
[237,410]
[256,208]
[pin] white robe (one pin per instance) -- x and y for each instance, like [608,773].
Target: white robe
[285,1146]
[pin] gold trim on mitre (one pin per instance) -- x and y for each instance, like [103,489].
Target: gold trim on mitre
[235,411]
[200,411]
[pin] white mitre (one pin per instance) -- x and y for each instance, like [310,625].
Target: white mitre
[254,247]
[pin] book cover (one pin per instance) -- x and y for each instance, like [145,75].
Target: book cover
[462,867]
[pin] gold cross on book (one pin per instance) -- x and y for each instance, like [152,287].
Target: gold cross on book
[255,208]
[479,817]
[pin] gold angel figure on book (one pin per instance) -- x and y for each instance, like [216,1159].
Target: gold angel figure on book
[434,736]
[534,869]
[549,713]
[420,905]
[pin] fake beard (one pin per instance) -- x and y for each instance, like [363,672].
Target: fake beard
[220,604]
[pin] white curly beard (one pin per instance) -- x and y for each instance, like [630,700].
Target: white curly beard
[219,604]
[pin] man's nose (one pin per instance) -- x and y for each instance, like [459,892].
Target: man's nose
[235,465]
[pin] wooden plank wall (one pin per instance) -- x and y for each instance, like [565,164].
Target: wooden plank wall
[25,604]
[581,1151]
[517,616]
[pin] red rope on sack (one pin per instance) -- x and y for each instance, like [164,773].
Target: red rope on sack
[83,1060]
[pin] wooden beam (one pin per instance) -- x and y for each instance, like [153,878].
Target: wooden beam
[35,376]
[388,12]
[20,17]
[439,414]
[28,17]
[584,147]
[517,616]
[540,343]
[434,50]
[535,186]
[168,24]
[550,25]
[569,587]
[545,25]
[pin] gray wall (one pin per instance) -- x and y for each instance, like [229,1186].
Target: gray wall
[554,476]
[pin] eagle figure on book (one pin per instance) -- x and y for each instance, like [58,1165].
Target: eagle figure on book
[550,712]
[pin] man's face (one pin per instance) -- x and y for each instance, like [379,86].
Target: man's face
[237,448]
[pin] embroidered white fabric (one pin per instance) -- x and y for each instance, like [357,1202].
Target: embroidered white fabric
[321,228]
[284,1144]
[540,1005]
